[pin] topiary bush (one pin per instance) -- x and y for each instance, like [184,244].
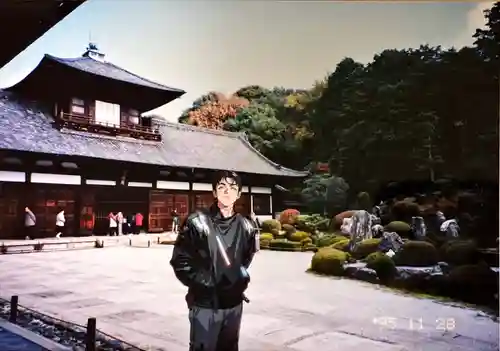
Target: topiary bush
[404,210]
[342,245]
[459,252]
[475,283]
[284,245]
[288,228]
[324,240]
[366,247]
[289,216]
[266,236]
[264,243]
[310,223]
[402,228]
[383,265]
[298,236]
[329,261]
[271,226]
[306,242]
[417,254]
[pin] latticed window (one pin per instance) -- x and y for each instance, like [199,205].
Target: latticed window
[78,106]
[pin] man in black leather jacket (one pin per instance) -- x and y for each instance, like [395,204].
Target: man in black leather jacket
[211,257]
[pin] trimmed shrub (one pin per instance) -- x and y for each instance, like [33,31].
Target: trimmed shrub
[329,261]
[402,228]
[417,254]
[310,248]
[283,244]
[404,210]
[473,283]
[383,265]
[266,236]
[323,241]
[289,216]
[288,228]
[310,223]
[306,242]
[459,252]
[366,247]
[298,236]
[264,243]
[323,225]
[342,245]
[271,226]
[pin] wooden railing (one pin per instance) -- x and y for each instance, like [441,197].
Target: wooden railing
[88,123]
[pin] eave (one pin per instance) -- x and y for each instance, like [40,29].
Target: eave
[26,21]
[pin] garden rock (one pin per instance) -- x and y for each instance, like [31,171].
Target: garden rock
[366,274]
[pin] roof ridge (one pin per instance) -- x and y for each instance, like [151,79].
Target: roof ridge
[184,126]
[74,59]
[244,139]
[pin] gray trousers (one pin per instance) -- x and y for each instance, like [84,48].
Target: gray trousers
[215,330]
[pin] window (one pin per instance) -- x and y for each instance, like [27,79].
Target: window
[133,116]
[107,113]
[262,204]
[78,106]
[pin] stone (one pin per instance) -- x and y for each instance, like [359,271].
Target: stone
[391,241]
[366,274]
[361,228]
[451,228]
[418,228]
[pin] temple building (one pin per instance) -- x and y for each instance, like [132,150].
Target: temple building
[73,135]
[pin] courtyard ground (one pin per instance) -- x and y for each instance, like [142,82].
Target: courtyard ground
[134,295]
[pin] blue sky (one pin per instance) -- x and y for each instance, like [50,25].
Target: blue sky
[202,46]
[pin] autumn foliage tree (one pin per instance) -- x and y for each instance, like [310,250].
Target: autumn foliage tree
[213,110]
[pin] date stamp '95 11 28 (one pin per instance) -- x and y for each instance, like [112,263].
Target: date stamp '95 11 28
[416,323]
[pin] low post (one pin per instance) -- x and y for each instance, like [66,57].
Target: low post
[149,243]
[13,308]
[130,242]
[158,239]
[90,336]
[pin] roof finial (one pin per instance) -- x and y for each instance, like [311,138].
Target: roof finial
[93,52]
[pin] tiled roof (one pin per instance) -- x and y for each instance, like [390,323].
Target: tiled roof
[109,70]
[25,127]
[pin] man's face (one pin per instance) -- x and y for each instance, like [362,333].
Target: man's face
[227,192]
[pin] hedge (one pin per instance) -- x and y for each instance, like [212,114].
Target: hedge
[475,283]
[459,252]
[366,247]
[417,254]
[402,228]
[329,261]
[342,245]
[266,236]
[289,216]
[298,236]
[271,226]
[383,265]
[284,244]
[288,228]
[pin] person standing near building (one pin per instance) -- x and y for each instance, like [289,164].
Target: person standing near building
[60,223]
[211,256]
[119,220]
[175,221]
[113,225]
[139,218]
[29,223]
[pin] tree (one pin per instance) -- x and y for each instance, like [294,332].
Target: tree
[325,193]
[488,40]
[213,110]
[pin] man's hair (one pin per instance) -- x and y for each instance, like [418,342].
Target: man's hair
[223,175]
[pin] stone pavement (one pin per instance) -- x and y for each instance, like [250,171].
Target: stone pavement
[134,295]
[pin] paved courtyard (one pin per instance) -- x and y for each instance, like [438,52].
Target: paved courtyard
[135,296]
